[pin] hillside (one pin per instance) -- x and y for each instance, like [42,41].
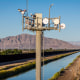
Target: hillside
[22,42]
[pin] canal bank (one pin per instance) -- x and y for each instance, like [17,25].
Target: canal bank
[18,69]
[71,72]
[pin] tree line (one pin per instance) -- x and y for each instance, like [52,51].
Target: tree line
[11,52]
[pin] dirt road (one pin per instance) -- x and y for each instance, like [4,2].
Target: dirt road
[72,72]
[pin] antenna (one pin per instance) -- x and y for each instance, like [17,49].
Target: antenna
[63,26]
[27,7]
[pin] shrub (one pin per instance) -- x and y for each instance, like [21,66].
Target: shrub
[61,70]
[11,52]
[56,75]
[69,65]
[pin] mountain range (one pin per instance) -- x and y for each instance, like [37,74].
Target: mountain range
[77,43]
[26,41]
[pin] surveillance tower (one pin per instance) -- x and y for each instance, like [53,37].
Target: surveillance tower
[36,23]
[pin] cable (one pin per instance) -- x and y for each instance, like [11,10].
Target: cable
[43,52]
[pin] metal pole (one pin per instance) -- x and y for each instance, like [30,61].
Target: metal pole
[27,7]
[49,14]
[22,22]
[59,24]
[43,51]
[38,55]
[49,18]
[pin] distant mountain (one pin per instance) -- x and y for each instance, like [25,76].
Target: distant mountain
[23,41]
[75,43]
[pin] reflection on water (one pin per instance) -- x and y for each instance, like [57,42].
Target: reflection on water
[49,69]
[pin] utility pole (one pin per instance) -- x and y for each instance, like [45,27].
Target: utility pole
[38,47]
[39,24]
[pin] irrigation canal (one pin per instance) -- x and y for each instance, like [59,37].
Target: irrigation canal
[49,69]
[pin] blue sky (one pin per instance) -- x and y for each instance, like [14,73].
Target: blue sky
[69,10]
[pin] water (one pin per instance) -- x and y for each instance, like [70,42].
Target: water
[49,69]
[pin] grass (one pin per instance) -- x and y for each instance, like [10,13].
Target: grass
[16,70]
[27,66]
[56,75]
